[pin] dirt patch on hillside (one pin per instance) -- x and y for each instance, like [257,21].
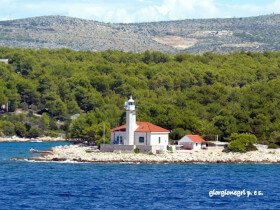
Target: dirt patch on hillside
[176,41]
[247,44]
[203,34]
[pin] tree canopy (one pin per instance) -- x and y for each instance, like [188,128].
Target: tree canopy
[205,94]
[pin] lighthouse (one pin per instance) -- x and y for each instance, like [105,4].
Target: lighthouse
[145,136]
[131,125]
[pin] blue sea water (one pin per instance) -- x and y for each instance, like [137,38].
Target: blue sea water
[37,185]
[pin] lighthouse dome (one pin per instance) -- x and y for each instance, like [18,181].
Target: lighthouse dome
[130,105]
[131,99]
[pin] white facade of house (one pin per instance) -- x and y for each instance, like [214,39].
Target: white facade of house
[197,146]
[118,136]
[139,133]
[141,138]
[188,143]
[151,138]
[159,139]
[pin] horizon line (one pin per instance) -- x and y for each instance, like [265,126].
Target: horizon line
[214,18]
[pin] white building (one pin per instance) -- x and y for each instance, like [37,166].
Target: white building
[194,142]
[6,61]
[139,133]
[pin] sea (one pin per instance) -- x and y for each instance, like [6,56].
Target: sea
[60,185]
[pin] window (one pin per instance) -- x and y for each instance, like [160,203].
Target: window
[141,139]
[121,139]
[196,144]
[159,140]
[118,138]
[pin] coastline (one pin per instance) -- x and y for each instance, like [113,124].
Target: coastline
[39,139]
[86,154]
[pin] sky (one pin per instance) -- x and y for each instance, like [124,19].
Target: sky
[133,11]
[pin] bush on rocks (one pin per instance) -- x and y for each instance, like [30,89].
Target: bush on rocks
[53,134]
[136,150]
[20,129]
[236,146]
[34,133]
[272,146]
[251,147]
[242,142]
[8,128]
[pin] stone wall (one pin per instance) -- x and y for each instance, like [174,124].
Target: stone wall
[147,149]
[130,148]
[116,147]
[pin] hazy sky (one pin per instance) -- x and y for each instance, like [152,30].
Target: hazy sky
[127,11]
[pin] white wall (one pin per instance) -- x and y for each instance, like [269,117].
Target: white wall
[141,134]
[191,145]
[186,145]
[130,127]
[115,134]
[164,138]
[196,146]
[149,138]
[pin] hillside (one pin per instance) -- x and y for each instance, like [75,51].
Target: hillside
[193,36]
[206,94]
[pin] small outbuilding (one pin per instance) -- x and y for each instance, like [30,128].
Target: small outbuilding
[190,142]
[6,61]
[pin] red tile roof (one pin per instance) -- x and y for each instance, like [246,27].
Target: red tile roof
[120,128]
[196,138]
[149,127]
[143,127]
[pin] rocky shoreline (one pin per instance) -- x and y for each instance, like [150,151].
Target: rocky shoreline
[87,154]
[39,139]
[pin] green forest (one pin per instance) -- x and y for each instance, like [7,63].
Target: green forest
[209,94]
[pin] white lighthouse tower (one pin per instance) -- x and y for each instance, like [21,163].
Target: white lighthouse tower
[130,121]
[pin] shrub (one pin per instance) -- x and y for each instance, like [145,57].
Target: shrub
[7,128]
[28,126]
[20,129]
[45,121]
[250,147]
[249,138]
[53,134]
[24,106]
[53,125]
[136,150]
[177,133]
[242,142]
[272,146]
[34,133]
[30,114]
[65,126]
[236,146]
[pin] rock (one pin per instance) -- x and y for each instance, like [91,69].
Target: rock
[59,159]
